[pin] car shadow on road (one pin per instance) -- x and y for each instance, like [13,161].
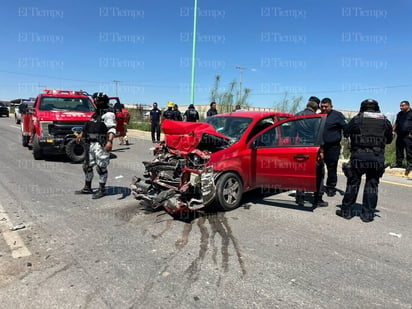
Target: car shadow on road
[57,158]
[270,199]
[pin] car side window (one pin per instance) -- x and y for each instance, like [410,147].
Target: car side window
[297,132]
[260,126]
[268,139]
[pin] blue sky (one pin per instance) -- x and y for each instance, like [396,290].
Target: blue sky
[345,50]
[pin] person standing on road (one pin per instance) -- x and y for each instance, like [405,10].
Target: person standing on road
[125,116]
[305,132]
[169,112]
[191,114]
[332,136]
[403,130]
[177,114]
[212,110]
[154,118]
[369,132]
[99,133]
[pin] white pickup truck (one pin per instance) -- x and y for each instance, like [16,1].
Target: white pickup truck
[17,113]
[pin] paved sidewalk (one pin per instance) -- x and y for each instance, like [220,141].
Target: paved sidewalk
[141,134]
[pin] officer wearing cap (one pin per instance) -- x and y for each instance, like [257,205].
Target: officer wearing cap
[369,131]
[99,133]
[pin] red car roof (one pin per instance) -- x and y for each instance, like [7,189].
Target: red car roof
[253,114]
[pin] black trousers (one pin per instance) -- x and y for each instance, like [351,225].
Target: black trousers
[373,167]
[155,129]
[320,175]
[331,158]
[404,144]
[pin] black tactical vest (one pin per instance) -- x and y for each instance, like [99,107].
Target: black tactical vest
[192,115]
[372,133]
[169,114]
[96,129]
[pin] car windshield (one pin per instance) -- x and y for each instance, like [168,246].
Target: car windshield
[67,104]
[233,127]
[2,105]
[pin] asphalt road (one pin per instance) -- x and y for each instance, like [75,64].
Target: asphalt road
[75,252]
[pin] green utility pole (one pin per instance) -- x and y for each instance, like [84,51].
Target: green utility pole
[192,96]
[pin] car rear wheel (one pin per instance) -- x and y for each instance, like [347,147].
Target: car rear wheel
[16,120]
[229,191]
[76,151]
[37,151]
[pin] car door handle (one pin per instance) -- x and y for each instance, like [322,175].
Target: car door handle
[301,157]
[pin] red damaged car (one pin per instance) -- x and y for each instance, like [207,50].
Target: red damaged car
[217,161]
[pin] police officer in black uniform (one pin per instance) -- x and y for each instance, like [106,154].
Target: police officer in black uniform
[369,132]
[212,110]
[177,114]
[305,132]
[169,112]
[191,114]
[403,130]
[99,133]
[154,118]
[332,135]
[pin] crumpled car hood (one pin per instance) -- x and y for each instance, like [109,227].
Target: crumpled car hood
[188,136]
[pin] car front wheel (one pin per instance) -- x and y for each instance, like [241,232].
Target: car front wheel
[229,191]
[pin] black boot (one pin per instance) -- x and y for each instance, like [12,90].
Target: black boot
[87,189]
[318,201]
[100,193]
[344,213]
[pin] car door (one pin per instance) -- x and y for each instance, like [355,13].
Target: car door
[284,156]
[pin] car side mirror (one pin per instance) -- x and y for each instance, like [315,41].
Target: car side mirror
[22,108]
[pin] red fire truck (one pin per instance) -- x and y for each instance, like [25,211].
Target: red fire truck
[50,124]
[122,116]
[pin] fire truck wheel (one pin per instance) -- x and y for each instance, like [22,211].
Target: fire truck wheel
[37,151]
[25,140]
[76,152]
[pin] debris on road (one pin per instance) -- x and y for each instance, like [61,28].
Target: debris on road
[395,234]
[18,227]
